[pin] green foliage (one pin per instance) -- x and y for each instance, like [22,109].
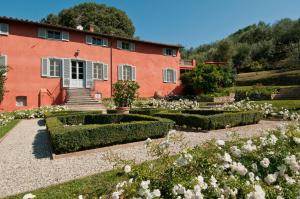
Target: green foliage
[85,131]
[255,93]
[5,129]
[214,121]
[256,47]
[3,70]
[124,93]
[106,20]
[145,111]
[207,78]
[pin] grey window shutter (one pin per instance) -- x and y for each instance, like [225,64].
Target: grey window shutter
[89,74]
[45,67]
[42,32]
[4,28]
[105,72]
[164,51]
[174,53]
[174,76]
[164,75]
[105,42]
[119,44]
[133,73]
[3,61]
[132,46]
[66,72]
[65,36]
[89,39]
[120,72]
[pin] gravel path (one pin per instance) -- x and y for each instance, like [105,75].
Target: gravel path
[25,162]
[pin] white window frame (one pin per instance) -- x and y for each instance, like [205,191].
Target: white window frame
[90,40]
[49,65]
[169,78]
[172,50]
[128,72]
[99,70]
[5,62]
[121,42]
[55,64]
[4,33]
[64,36]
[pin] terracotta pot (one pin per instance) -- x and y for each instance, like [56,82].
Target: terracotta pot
[123,110]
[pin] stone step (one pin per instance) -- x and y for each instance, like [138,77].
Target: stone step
[83,103]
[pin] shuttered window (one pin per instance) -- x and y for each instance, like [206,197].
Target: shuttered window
[169,75]
[4,29]
[100,71]
[96,41]
[127,72]
[3,63]
[125,45]
[51,67]
[169,52]
[53,34]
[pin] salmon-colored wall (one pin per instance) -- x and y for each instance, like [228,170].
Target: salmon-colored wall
[24,50]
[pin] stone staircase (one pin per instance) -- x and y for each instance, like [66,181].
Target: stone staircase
[80,99]
[290,93]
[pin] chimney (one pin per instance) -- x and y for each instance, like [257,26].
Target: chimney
[92,28]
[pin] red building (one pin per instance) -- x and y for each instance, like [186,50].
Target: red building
[45,60]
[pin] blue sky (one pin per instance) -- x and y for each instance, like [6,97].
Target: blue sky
[188,22]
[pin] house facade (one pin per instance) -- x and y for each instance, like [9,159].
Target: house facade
[44,61]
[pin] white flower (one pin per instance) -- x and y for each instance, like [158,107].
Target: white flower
[127,168]
[265,162]
[292,163]
[183,159]
[279,197]
[248,147]
[297,140]
[238,168]
[254,167]
[178,189]
[156,193]
[116,195]
[227,158]
[257,194]
[289,180]
[213,182]
[145,184]
[220,142]
[80,197]
[251,176]
[282,169]
[272,140]
[29,196]
[271,178]
[201,183]
[236,152]
[188,194]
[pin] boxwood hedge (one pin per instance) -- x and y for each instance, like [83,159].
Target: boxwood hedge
[70,133]
[215,121]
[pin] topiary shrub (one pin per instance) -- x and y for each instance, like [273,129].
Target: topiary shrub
[124,93]
[86,131]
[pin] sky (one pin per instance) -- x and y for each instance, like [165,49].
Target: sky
[186,22]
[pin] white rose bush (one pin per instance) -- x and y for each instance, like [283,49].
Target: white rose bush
[264,167]
[7,117]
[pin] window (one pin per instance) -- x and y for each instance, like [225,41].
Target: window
[55,67]
[4,29]
[169,52]
[21,101]
[96,41]
[169,76]
[51,67]
[126,72]
[100,71]
[53,34]
[126,45]
[3,63]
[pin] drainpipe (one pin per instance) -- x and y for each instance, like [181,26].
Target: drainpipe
[111,68]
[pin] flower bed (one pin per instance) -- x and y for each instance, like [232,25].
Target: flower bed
[215,121]
[85,131]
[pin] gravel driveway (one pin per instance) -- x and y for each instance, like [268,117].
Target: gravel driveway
[25,156]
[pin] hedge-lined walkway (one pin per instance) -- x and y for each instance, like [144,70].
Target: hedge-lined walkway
[25,162]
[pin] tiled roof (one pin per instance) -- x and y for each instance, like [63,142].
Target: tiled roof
[4,18]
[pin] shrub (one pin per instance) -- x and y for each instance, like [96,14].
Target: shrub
[206,111]
[124,93]
[67,112]
[255,93]
[146,111]
[3,70]
[102,130]
[215,121]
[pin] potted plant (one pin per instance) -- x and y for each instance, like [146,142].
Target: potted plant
[124,93]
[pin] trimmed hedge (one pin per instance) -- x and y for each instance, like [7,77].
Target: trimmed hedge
[102,130]
[216,121]
[146,111]
[206,111]
[62,113]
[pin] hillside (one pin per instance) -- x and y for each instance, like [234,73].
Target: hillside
[255,48]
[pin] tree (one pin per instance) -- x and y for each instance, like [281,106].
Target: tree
[106,20]
[3,70]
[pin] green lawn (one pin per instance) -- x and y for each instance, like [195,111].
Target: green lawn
[5,129]
[95,185]
[273,77]
[288,104]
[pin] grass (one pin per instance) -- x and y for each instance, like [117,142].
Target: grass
[95,185]
[293,105]
[5,129]
[273,77]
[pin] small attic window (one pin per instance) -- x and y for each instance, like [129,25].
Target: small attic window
[21,101]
